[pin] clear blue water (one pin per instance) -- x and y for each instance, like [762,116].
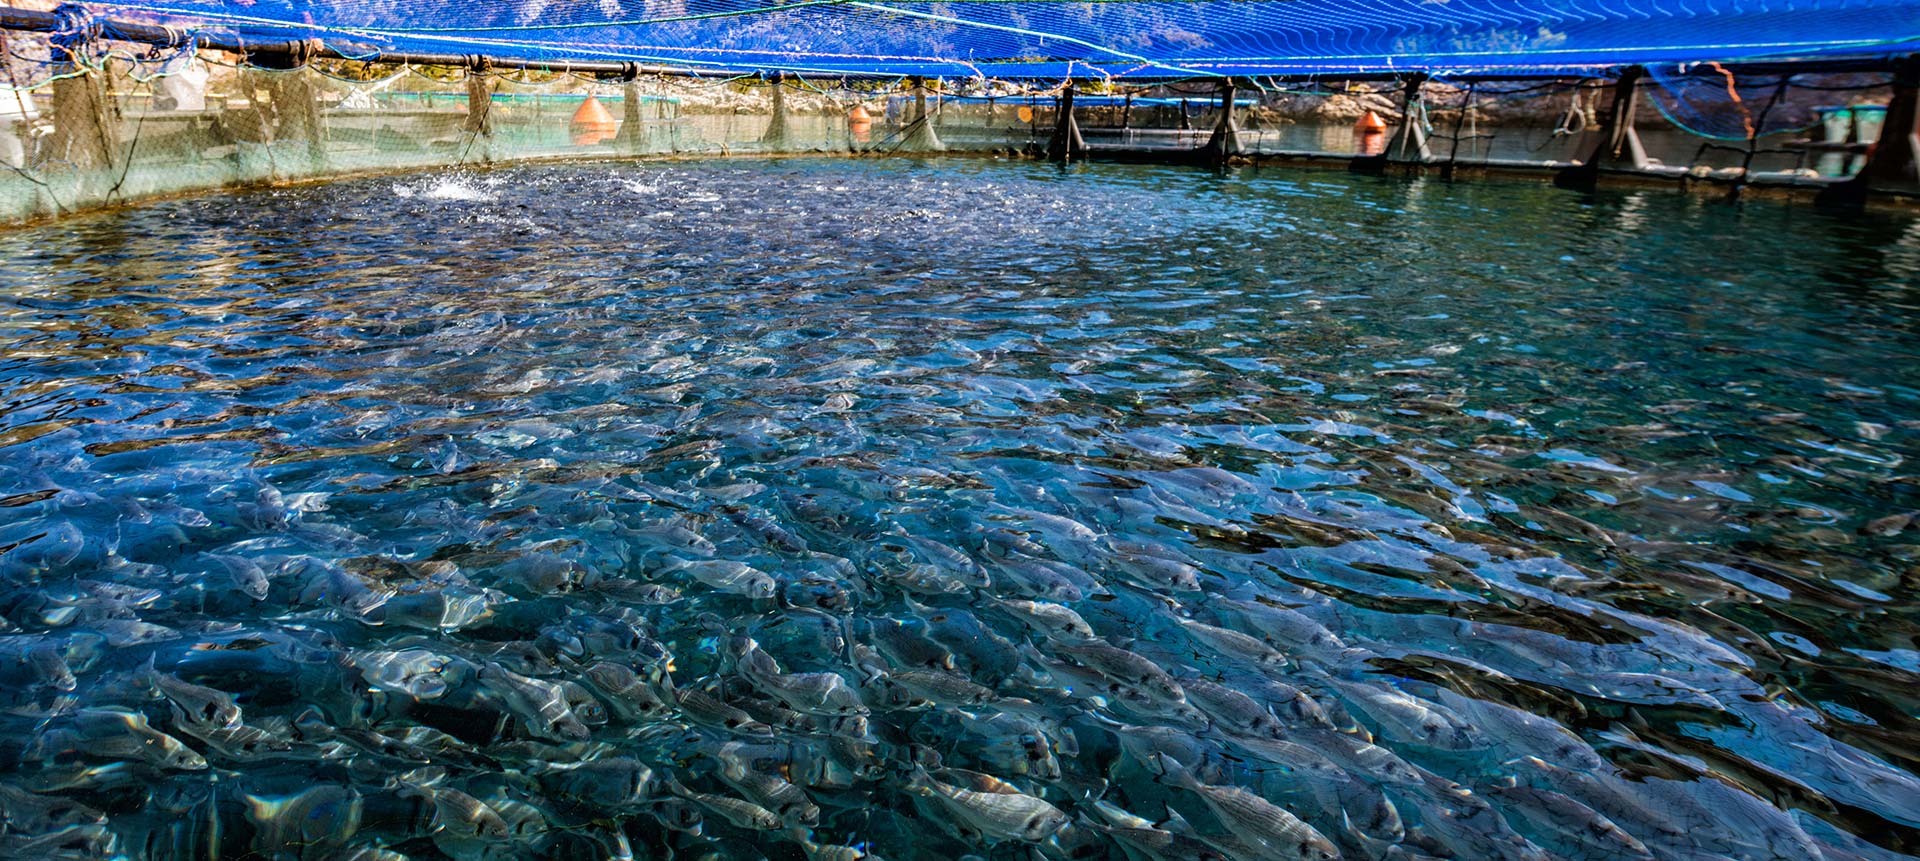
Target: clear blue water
[562,511]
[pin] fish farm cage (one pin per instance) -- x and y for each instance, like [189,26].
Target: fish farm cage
[111,102]
[373,521]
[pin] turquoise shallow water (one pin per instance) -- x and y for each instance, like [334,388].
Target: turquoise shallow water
[560,512]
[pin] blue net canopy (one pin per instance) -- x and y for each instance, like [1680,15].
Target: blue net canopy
[1112,38]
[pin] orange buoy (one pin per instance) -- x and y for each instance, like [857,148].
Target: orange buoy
[1369,124]
[592,123]
[860,123]
[1026,114]
[1370,143]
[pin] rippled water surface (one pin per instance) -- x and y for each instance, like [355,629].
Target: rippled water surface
[920,510]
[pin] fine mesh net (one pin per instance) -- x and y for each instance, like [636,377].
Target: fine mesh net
[102,121]
[1118,38]
[126,125]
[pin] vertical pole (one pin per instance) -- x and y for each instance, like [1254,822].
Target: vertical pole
[295,108]
[779,136]
[1453,152]
[632,137]
[479,97]
[1410,142]
[1225,141]
[479,123]
[1066,142]
[920,136]
[84,131]
[1895,162]
[1619,144]
[1126,113]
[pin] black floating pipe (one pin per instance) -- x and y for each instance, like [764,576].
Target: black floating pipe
[34,21]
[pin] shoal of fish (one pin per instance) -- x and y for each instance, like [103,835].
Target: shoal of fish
[695,679]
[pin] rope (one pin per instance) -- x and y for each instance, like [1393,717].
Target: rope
[78,32]
[1734,94]
[1750,128]
[1746,164]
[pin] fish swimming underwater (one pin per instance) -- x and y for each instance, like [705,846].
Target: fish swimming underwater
[770,522]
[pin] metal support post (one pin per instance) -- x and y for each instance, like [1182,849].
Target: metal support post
[84,128]
[479,97]
[1066,142]
[1618,146]
[479,143]
[1410,140]
[293,109]
[1225,141]
[779,134]
[633,136]
[919,133]
[1894,164]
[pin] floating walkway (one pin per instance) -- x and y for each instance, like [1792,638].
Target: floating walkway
[1891,171]
[79,147]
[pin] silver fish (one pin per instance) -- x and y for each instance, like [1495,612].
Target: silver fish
[311,820]
[937,688]
[540,704]
[1271,831]
[1234,644]
[198,704]
[630,697]
[26,812]
[1123,665]
[1234,712]
[1405,717]
[1157,572]
[781,796]
[115,734]
[1057,620]
[925,579]
[703,708]
[458,814]
[743,814]
[244,742]
[417,673]
[815,693]
[245,575]
[992,816]
[728,576]
[1282,626]
[1045,579]
[615,783]
[1581,826]
[1143,840]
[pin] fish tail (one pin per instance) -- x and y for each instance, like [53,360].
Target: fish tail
[1174,822]
[1166,769]
[149,672]
[919,782]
